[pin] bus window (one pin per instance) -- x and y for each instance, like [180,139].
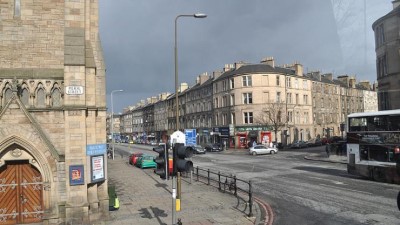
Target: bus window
[378,153]
[363,152]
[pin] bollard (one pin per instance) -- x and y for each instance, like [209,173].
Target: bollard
[197,171]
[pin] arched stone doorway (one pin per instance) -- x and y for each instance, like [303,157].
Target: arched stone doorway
[21,188]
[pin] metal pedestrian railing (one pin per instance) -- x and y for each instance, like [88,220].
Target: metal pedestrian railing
[226,183]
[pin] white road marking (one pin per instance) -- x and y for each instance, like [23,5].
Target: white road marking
[333,181]
[346,189]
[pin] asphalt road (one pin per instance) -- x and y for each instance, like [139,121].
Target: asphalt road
[307,192]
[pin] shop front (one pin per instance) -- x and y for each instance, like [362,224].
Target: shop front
[246,136]
[203,136]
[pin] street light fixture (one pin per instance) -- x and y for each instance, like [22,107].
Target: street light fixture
[112,122]
[197,15]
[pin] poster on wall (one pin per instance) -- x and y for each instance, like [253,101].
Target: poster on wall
[97,166]
[76,175]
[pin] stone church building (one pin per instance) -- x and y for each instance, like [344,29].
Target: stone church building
[53,166]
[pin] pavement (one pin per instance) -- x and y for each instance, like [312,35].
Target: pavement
[146,199]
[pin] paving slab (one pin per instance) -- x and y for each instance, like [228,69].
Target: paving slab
[147,199]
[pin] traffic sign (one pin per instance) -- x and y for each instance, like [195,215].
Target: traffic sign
[190,135]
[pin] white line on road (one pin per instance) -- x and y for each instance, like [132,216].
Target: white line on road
[346,189]
[333,181]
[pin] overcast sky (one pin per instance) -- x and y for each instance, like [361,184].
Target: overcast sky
[138,39]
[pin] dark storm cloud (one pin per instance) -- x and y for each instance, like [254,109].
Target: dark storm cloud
[138,40]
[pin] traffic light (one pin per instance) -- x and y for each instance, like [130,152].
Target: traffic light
[180,163]
[162,161]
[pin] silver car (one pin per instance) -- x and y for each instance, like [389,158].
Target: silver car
[262,149]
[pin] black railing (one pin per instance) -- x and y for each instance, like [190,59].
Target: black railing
[226,183]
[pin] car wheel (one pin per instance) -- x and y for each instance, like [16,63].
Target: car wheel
[254,153]
[272,152]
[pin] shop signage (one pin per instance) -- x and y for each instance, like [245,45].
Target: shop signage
[224,131]
[242,129]
[231,129]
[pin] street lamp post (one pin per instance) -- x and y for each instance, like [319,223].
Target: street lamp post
[197,15]
[112,122]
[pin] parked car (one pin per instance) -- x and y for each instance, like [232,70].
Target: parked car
[314,142]
[325,141]
[198,149]
[298,144]
[262,149]
[146,161]
[335,139]
[216,147]
[133,157]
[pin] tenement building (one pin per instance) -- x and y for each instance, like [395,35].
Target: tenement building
[263,103]
[52,113]
[387,30]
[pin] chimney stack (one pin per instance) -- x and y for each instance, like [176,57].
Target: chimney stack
[216,74]
[203,78]
[365,84]
[352,82]
[228,67]
[239,64]
[328,76]
[315,75]
[183,87]
[298,69]
[396,3]
[269,61]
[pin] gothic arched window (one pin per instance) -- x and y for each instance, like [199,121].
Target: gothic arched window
[40,98]
[25,96]
[8,94]
[56,98]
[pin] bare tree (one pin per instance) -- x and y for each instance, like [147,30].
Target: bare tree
[273,116]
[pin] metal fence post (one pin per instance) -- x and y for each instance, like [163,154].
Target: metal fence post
[208,176]
[219,180]
[191,176]
[234,180]
[197,171]
[250,199]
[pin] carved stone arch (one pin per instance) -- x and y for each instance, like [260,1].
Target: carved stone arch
[32,154]
[17,148]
